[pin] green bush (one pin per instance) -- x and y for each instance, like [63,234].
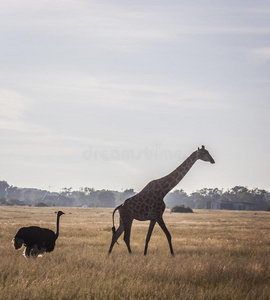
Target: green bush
[181,209]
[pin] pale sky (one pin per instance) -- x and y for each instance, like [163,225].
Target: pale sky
[113,94]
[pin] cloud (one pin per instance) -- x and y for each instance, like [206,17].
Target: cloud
[13,109]
[80,94]
[225,30]
[102,24]
[260,55]
[115,27]
[130,94]
[15,114]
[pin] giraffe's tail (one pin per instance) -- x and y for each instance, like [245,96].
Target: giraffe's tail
[117,208]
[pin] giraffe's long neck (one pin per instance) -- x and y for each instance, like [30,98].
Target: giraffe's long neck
[167,183]
[172,179]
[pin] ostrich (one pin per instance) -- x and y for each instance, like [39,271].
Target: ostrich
[37,240]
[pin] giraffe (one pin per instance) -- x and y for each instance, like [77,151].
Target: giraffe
[148,204]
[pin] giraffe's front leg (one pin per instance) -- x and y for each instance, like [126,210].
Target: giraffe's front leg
[150,230]
[166,231]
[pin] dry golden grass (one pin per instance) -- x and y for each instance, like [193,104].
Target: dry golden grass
[218,255]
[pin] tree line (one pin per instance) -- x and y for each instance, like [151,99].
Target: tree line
[89,197]
[199,199]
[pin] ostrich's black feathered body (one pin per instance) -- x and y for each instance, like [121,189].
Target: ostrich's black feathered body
[37,240]
[49,239]
[30,235]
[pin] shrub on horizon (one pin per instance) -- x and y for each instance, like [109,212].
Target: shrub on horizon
[181,209]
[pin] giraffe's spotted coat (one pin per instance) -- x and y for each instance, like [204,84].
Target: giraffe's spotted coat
[149,205]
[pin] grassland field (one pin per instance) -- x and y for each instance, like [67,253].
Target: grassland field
[218,255]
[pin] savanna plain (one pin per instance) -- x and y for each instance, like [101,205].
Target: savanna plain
[218,255]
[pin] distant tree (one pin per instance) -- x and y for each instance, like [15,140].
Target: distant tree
[3,189]
[41,204]
[3,201]
[15,202]
[88,196]
[13,192]
[66,191]
[63,201]
[201,197]
[127,194]
[106,199]
[92,199]
[242,194]
[27,196]
[85,191]
[198,199]
[237,194]
[177,197]
[261,198]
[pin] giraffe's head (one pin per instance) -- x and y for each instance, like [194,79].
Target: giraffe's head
[204,155]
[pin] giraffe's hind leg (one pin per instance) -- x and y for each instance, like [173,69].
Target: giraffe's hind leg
[166,231]
[127,229]
[150,230]
[116,235]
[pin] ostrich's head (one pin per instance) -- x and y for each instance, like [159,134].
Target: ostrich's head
[18,242]
[60,213]
[204,155]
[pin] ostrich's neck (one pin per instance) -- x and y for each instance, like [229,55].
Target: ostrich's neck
[57,227]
